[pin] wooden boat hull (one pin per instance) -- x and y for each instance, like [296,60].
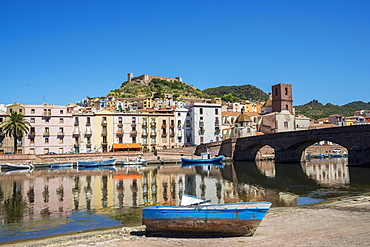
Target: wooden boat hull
[234,219]
[87,164]
[211,160]
[54,165]
[111,162]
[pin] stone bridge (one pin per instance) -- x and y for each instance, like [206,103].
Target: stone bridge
[289,146]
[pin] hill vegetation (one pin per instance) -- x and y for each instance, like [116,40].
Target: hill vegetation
[316,110]
[130,89]
[237,93]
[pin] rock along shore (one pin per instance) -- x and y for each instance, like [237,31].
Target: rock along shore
[337,222]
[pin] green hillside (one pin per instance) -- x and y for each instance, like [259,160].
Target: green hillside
[237,93]
[130,89]
[316,110]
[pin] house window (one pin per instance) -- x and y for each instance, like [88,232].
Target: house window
[216,111]
[60,150]
[32,111]
[46,140]
[286,91]
[32,140]
[61,140]
[32,120]
[285,125]
[61,111]
[61,120]
[32,151]
[200,110]
[46,150]
[201,139]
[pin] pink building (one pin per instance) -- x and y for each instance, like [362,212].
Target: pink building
[50,131]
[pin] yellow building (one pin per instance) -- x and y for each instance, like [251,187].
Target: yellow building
[104,130]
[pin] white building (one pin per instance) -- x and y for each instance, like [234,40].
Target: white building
[205,123]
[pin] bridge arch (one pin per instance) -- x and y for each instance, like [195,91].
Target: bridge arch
[289,146]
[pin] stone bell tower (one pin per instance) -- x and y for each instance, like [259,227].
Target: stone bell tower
[282,98]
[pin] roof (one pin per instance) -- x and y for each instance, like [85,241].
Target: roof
[243,118]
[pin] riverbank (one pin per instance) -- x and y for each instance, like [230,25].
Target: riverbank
[337,222]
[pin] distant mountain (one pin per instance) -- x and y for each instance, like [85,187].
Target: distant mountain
[316,110]
[238,93]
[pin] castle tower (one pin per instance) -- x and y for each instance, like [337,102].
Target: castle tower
[130,76]
[282,98]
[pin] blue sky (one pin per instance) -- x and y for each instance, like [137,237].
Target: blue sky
[59,52]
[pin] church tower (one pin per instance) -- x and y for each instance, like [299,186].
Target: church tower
[282,98]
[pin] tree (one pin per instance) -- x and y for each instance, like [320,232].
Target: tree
[228,98]
[15,126]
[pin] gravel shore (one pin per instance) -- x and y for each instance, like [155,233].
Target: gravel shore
[340,222]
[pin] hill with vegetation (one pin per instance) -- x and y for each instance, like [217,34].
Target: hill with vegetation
[237,93]
[130,89]
[316,110]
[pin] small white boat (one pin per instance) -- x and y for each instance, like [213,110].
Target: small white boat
[137,161]
[17,166]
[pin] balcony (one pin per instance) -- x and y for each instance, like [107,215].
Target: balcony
[104,123]
[120,125]
[133,125]
[88,123]
[32,134]
[60,134]
[120,133]
[164,126]
[144,125]
[187,125]
[201,123]
[172,134]
[76,134]
[153,124]
[153,135]
[46,134]
[76,123]
[144,134]
[172,126]
[217,123]
[46,114]
[104,133]
[104,142]
[179,126]
[133,133]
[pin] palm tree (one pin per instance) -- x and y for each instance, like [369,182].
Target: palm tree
[15,126]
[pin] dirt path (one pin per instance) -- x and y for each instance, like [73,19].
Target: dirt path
[344,222]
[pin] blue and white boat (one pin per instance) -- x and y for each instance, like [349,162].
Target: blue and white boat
[96,163]
[205,158]
[59,165]
[87,163]
[231,219]
[111,162]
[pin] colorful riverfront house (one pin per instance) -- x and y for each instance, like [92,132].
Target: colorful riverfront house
[51,129]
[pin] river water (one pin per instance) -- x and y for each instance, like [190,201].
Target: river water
[47,202]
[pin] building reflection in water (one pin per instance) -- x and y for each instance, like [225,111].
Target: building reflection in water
[50,194]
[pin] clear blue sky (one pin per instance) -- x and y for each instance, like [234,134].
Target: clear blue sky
[60,51]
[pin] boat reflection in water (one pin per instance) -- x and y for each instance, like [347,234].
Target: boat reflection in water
[117,195]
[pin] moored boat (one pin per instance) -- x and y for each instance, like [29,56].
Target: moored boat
[16,166]
[137,161]
[231,219]
[87,163]
[111,162]
[205,158]
[59,165]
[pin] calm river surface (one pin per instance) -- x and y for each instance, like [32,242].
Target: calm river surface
[46,202]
